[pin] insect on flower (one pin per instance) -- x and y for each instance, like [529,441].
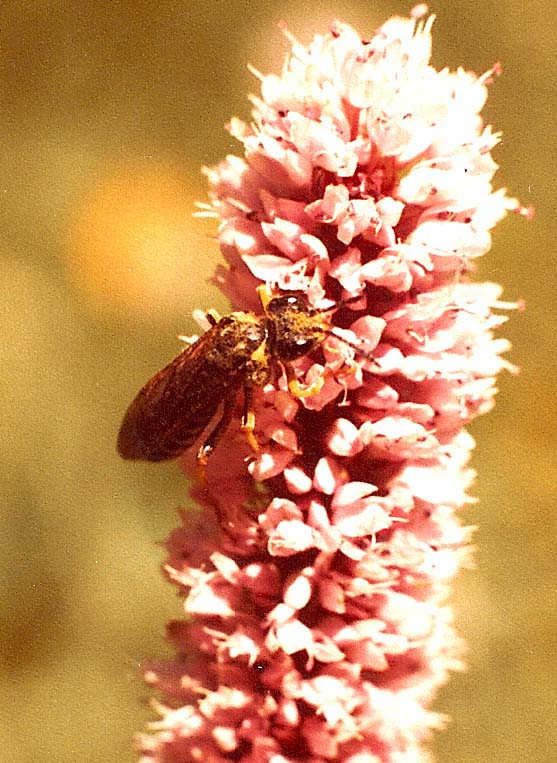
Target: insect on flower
[240,351]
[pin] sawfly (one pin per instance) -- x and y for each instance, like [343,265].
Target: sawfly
[241,351]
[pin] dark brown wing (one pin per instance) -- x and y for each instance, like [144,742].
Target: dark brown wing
[175,406]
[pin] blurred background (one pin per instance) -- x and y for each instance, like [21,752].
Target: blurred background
[109,109]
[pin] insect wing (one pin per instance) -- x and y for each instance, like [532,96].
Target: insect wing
[173,407]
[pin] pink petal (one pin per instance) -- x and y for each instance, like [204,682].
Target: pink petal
[328,475]
[297,480]
[343,438]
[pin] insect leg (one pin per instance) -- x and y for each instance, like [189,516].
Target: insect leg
[208,447]
[248,419]
[210,443]
[296,389]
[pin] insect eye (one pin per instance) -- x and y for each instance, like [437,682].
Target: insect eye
[296,302]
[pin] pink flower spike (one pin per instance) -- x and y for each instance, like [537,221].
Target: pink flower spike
[316,623]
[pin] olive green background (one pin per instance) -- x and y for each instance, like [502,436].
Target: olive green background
[108,110]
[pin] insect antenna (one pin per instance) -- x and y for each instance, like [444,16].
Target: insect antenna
[366,355]
[338,305]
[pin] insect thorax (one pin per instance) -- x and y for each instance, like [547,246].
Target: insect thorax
[238,350]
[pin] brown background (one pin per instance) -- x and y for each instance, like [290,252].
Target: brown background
[108,111]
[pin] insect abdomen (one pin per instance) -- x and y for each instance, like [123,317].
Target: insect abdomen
[176,405]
